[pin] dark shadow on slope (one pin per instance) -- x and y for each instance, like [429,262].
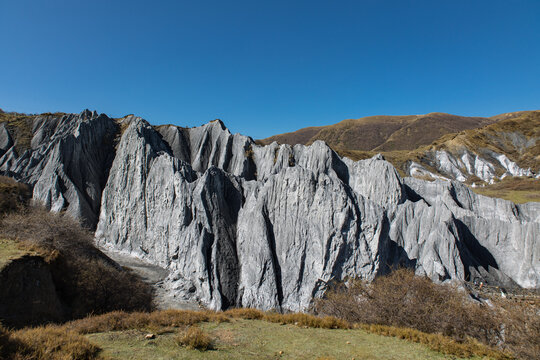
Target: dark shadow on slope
[479,264]
[412,195]
[392,255]
[275,261]
[340,168]
[225,196]
[250,167]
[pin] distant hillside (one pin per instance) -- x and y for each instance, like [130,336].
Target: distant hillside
[480,157]
[383,133]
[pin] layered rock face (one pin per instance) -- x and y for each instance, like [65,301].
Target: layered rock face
[238,224]
[462,164]
[67,162]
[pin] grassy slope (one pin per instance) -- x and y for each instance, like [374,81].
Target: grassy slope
[493,137]
[496,137]
[301,136]
[12,196]
[255,339]
[517,190]
[9,251]
[429,128]
[383,133]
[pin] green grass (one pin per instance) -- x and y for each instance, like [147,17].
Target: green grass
[516,196]
[257,339]
[9,250]
[517,190]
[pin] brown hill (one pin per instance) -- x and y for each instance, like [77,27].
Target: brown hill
[383,133]
[515,135]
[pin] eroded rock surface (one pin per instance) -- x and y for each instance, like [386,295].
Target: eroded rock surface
[237,224]
[67,162]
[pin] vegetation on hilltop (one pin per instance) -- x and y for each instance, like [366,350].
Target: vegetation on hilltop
[513,135]
[20,127]
[516,189]
[382,133]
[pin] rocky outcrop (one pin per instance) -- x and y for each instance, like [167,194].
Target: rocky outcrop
[462,164]
[237,224]
[67,162]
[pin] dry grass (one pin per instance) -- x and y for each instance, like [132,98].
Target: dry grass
[20,128]
[195,338]
[307,320]
[67,341]
[382,133]
[515,189]
[245,313]
[13,195]
[437,342]
[299,319]
[9,251]
[46,343]
[120,320]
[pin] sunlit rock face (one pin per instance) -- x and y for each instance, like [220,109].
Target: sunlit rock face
[462,164]
[67,161]
[237,224]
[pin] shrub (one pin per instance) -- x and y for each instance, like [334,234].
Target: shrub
[301,319]
[245,313]
[86,280]
[404,300]
[46,343]
[195,338]
[411,303]
[13,195]
[521,327]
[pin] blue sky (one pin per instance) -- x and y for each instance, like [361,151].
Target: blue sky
[267,67]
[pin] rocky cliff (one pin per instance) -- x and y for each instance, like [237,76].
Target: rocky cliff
[237,224]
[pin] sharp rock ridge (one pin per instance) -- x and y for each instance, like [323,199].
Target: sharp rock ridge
[238,224]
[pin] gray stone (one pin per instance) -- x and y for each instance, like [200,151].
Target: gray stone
[67,163]
[237,224]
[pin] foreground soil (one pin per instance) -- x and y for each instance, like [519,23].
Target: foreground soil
[256,339]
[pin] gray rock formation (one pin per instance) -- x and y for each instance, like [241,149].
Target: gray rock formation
[462,164]
[67,162]
[237,224]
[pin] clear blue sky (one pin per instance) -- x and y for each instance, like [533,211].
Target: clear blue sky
[268,67]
